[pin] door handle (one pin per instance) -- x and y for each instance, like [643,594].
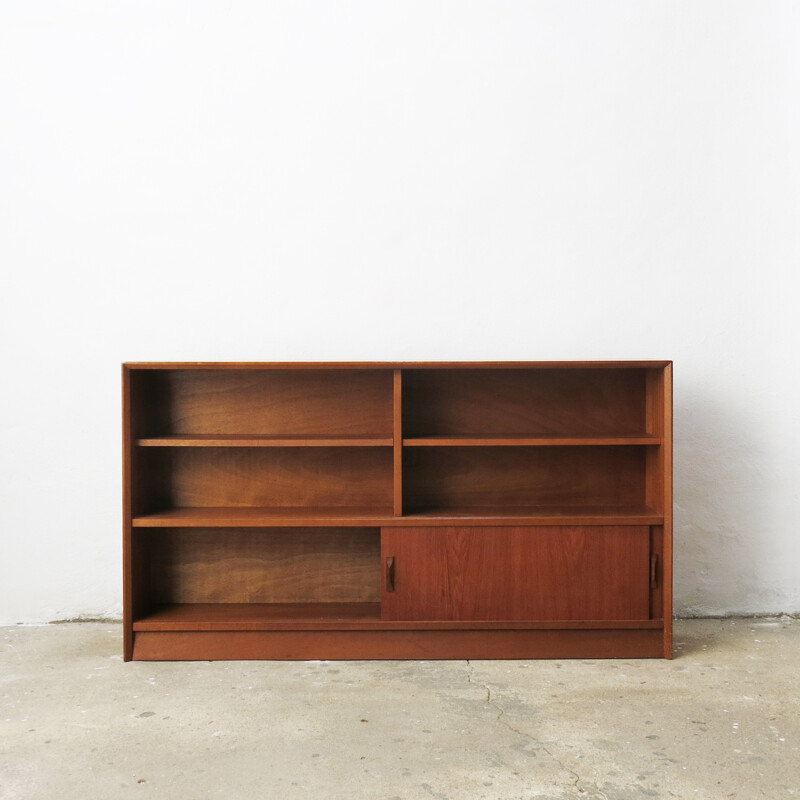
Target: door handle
[654,571]
[390,574]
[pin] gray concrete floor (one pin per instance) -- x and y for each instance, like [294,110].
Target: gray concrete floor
[722,720]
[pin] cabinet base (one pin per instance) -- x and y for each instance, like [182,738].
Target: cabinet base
[351,645]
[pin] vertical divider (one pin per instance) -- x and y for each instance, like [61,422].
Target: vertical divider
[654,477]
[398,443]
[667,483]
[659,483]
[127,516]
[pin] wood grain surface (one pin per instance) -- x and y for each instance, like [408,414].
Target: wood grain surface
[466,477]
[373,365]
[277,565]
[289,402]
[527,507]
[520,402]
[340,616]
[418,645]
[322,516]
[319,476]
[265,440]
[518,573]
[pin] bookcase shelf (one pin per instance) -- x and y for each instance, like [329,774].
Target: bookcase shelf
[520,440]
[226,517]
[266,440]
[531,515]
[258,616]
[257,517]
[337,616]
[397,510]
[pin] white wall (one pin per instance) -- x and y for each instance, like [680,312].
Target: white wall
[374,180]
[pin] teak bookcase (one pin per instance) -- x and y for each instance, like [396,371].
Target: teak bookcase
[397,510]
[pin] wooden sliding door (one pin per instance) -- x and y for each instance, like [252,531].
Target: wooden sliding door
[516,573]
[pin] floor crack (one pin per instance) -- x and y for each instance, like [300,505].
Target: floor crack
[532,739]
[488,690]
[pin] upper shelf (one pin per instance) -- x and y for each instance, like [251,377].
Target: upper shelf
[490,440]
[347,440]
[266,440]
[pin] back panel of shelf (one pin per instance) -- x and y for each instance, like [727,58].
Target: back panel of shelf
[273,565]
[461,478]
[308,477]
[521,402]
[269,402]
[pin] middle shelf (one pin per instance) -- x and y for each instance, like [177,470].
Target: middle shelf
[327,485]
[266,517]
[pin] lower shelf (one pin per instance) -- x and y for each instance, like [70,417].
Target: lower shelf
[259,616]
[277,645]
[194,617]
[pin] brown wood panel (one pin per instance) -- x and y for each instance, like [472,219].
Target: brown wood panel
[398,443]
[270,440]
[517,573]
[519,402]
[259,616]
[489,440]
[667,569]
[128,609]
[654,467]
[325,645]
[144,487]
[338,616]
[532,515]
[657,572]
[298,449]
[654,478]
[320,476]
[290,402]
[261,517]
[658,471]
[465,477]
[151,481]
[277,565]
[334,365]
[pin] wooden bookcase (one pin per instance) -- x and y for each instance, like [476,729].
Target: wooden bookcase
[397,510]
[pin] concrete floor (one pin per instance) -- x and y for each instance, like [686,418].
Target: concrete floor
[722,720]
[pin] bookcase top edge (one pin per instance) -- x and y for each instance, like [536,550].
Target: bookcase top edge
[155,365]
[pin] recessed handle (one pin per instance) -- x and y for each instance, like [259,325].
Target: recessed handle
[390,574]
[654,571]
